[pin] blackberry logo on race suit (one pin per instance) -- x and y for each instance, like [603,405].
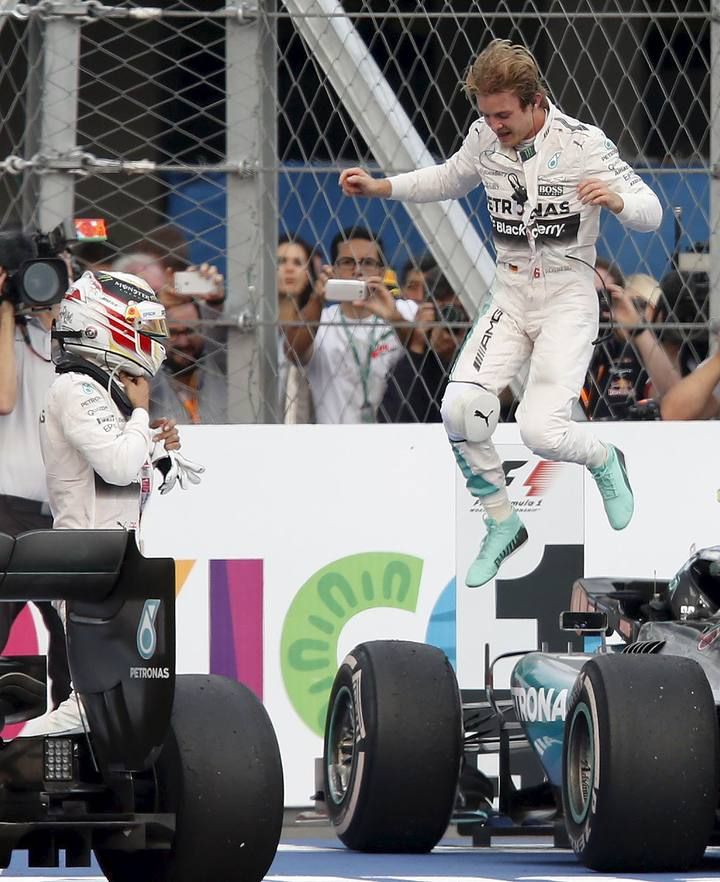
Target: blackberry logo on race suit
[549,221]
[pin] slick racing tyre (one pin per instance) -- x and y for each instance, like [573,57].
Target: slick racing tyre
[219,771]
[393,746]
[640,759]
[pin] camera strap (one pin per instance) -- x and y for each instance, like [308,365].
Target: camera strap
[69,364]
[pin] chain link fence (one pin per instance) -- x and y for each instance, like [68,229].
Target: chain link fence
[209,136]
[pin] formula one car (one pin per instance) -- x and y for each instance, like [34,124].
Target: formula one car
[171,778]
[626,737]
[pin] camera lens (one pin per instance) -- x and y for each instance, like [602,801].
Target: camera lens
[42,282]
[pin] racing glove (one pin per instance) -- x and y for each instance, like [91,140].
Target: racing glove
[175,468]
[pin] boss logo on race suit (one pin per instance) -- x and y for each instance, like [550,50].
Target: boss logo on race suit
[539,705]
[550,189]
[486,338]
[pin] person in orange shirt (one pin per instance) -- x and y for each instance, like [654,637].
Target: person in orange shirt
[190,387]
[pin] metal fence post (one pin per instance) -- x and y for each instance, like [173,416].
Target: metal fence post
[714,164]
[58,115]
[251,355]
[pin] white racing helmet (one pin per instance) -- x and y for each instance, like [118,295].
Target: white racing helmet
[115,321]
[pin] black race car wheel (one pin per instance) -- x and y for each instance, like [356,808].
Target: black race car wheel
[640,760]
[220,772]
[393,746]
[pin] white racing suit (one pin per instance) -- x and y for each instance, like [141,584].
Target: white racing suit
[543,304]
[99,474]
[98,464]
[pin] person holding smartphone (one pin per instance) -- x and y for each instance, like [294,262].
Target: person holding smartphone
[348,347]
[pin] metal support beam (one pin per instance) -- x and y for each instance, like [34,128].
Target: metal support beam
[344,58]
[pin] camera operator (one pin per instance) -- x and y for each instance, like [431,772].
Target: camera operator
[26,372]
[631,366]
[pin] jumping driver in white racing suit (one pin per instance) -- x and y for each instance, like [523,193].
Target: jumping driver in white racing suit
[97,442]
[546,177]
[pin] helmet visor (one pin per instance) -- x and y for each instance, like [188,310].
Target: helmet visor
[147,318]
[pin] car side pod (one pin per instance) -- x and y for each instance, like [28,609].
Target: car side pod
[120,623]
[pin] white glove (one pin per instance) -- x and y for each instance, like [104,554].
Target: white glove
[176,469]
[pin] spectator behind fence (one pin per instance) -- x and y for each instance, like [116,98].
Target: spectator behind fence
[684,301]
[417,381]
[697,395]
[349,347]
[190,386]
[26,372]
[158,257]
[295,279]
[159,273]
[630,366]
[413,277]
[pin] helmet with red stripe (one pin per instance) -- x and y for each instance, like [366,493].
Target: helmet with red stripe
[114,320]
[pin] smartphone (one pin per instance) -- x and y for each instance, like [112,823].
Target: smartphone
[346,289]
[193,284]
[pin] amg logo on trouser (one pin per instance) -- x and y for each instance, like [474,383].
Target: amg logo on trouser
[486,337]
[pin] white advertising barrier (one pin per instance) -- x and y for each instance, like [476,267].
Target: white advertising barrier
[302,541]
[675,473]
[299,543]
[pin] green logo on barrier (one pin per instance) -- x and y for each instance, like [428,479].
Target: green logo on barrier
[319,612]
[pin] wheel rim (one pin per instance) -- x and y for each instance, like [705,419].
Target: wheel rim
[341,745]
[580,769]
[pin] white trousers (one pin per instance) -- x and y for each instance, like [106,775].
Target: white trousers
[552,326]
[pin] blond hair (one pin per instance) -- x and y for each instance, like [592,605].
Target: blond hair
[503,66]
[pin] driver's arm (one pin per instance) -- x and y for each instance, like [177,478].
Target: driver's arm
[89,423]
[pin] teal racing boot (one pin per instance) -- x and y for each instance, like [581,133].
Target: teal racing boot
[614,487]
[502,539]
